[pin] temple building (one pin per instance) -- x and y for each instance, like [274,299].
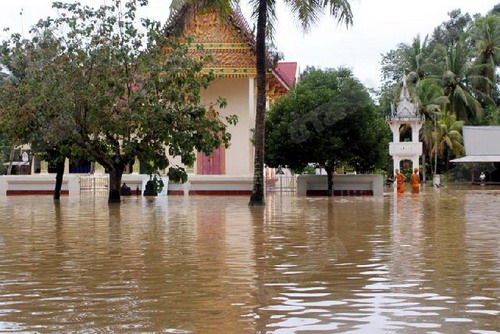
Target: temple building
[231,43]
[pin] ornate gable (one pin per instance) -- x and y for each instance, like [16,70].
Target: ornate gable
[232,53]
[229,41]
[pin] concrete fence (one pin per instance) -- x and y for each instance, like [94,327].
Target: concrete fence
[343,185]
[74,184]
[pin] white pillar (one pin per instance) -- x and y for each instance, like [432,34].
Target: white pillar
[32,172]
[395,133]
[415,162]
[415,132]
[73,185]
[66,166]
[251,120]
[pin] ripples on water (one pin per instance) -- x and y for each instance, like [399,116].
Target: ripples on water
[411,264]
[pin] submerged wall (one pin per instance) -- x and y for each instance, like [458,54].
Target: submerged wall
[38,184]
[343,185]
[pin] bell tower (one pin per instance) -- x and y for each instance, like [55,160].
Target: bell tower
[405,115]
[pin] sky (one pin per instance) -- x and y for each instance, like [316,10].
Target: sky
[379,26]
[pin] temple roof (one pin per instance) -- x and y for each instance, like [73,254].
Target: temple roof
[288,71]
[406,110]
[228,39]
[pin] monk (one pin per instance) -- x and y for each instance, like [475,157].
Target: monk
[400,181]
[415,181]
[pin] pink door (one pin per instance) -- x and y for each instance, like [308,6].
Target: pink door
[212,164]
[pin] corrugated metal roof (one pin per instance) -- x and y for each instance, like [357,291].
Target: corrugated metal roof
[478,158]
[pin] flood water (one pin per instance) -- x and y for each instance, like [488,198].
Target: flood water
[427,263]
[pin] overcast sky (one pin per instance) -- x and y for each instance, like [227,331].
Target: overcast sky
[379,26]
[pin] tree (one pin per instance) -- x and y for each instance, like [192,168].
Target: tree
[265,12]
[451,31]
[307,13]
[486,36]
[26,119]
[413,62]
[448,137]
[456,84]
[125,91]
[327,119]
[431,100]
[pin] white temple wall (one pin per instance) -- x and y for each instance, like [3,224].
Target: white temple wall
[236,93]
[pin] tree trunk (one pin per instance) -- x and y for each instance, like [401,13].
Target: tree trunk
[11,157]
[329,173]
[115,181]
[435,149]
[424,174]
[447,160]
[59,179]
[257,197]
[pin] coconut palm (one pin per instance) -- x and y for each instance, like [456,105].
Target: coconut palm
[456,84]
[422,59]
[431,101]
[486,34]
[448,137]
[307,12]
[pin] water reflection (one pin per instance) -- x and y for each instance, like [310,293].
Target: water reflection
[412,263]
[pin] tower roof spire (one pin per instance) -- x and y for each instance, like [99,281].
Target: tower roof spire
[406,109]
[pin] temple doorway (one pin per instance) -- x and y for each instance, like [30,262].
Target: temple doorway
[213,164]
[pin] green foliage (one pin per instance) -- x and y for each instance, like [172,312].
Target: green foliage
[491,116]
[328,118]
[177,174]
[309,169]
[485,36]
[462,54]
[451,31]
[157,183]
[3,154]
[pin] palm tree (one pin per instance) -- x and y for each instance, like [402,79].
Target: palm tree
[456,84]
[431,101]
[421,58]
[448,137]
[486,34]
[307,13]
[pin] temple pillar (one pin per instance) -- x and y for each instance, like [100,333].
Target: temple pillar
[415,130]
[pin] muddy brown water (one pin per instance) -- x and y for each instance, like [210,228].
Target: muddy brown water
[427,263]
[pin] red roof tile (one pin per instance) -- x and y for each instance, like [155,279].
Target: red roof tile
[287,71]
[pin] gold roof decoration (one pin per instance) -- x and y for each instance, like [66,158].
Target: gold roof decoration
[228,40]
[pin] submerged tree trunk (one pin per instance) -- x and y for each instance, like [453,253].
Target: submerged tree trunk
[115,180]
[329,173]
[11,157]
[59,179]
[257,197]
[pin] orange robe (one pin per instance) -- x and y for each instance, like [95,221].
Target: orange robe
[400,180]
[415,183]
